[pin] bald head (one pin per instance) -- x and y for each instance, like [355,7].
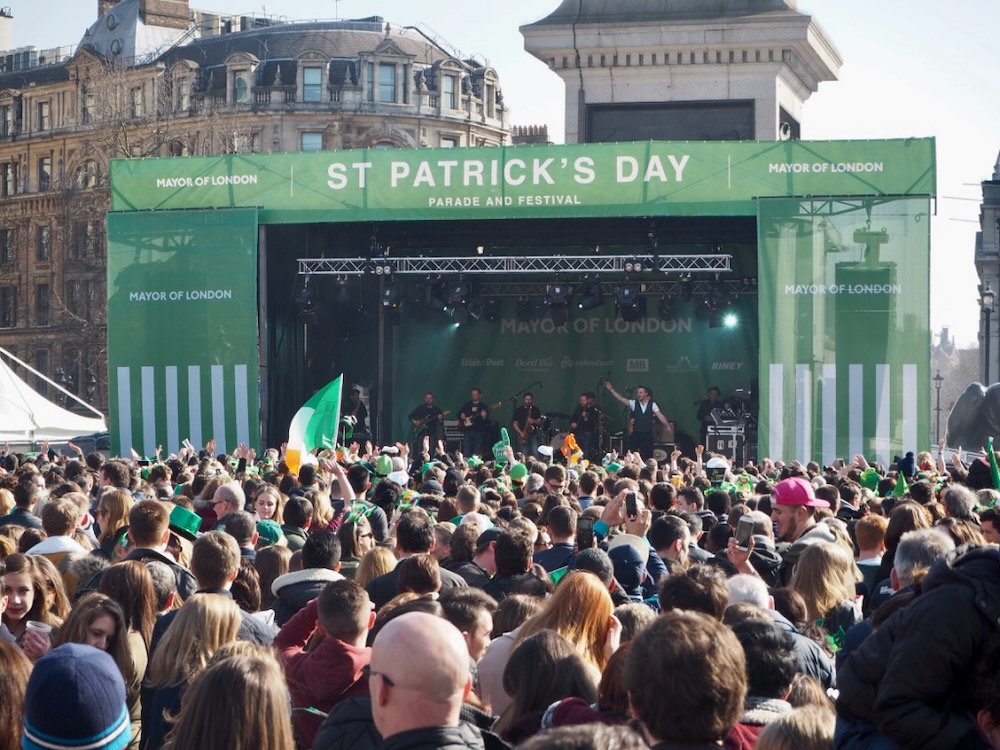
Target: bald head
[420,674]
[228,498]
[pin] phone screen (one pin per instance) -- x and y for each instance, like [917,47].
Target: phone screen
[631,506]
[744,530]
[584,533]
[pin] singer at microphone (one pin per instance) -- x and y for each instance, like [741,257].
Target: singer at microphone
[642,411]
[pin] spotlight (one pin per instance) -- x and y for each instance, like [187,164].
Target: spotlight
[305,302]
[433,297]
[381,268]
[628,302]
[557,300]
[591,295]
[491,310]
[458,294]
[687,288]
[665,311]
[730,319]
[391,298]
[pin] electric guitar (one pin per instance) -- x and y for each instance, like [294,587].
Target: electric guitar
[467,421]
[419,424]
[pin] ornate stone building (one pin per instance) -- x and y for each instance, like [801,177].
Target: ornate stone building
[155,78]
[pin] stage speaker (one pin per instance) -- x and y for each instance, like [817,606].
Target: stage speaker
[731,446]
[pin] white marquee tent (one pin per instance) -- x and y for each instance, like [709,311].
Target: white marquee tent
[27,416]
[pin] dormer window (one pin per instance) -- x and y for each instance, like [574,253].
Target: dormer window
[312,83]
[241,87]
[239,69]
[449,88]
[387,83]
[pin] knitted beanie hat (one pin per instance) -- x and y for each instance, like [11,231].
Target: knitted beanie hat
[75,698]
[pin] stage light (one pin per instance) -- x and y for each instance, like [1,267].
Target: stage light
[628,302]
[491,310]
[665,311]
[433,297]
[591,295]
[391,298]
[687,288]
[557,301]
[459,294]
[305,302]
[730,320]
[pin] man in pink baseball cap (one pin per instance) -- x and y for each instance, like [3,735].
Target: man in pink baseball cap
[793,510]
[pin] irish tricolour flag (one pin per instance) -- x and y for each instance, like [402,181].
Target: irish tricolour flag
[314,425]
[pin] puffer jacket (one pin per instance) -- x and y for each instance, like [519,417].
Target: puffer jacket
[909,676]
[295,590]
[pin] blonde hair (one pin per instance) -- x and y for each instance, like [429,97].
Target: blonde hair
[580,611]
[6,501]
[374,563]
[806,728]
[824,576]
[279,502]
[204,623]
[322,509]
[117,503]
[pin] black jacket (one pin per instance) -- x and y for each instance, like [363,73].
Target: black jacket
[909,676]
[186,584]
[462,737]
[22,517]
[350,727]
[385,587]
[295,590]
[811,658]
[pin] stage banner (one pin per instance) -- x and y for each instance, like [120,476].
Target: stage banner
[182,330]
[581,180]
[844,328]
[678,358]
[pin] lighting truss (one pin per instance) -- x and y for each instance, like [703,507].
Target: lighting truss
[517,264]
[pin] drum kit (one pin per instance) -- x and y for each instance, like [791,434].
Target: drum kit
[553,434]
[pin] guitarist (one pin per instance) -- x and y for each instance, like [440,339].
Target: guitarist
[527,422]
[428,421]
[472,420]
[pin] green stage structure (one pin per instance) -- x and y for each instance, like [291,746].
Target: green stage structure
[831,238]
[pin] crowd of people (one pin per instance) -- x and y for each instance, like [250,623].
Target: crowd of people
[371,598]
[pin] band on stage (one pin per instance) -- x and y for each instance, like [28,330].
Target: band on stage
[539,433]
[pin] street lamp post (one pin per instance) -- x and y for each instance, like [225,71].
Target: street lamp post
[986,300]
[937,408]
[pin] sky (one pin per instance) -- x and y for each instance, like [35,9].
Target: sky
[912,68]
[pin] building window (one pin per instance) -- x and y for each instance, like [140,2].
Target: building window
[7,120]
[88,108]
[73,297]
[448,95]
[86,174]
[312,84]
[8,179]
[241,87]
[43,243]
[135,102]
[42,365]
[6,245]
[183,95]
[44,173]
[449,142]
[387,82]
[255,143]
[44,116]
[490,99]
[42,304]
[8,306]
[312,141]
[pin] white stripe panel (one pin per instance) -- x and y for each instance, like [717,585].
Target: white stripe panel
[125,409]
[194,406]
[856,409]
[173,412]
[219,408]
[910,439]
[242,411]
[776,411]
[148,412]
[883,416]
[829,426]
[803,413]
